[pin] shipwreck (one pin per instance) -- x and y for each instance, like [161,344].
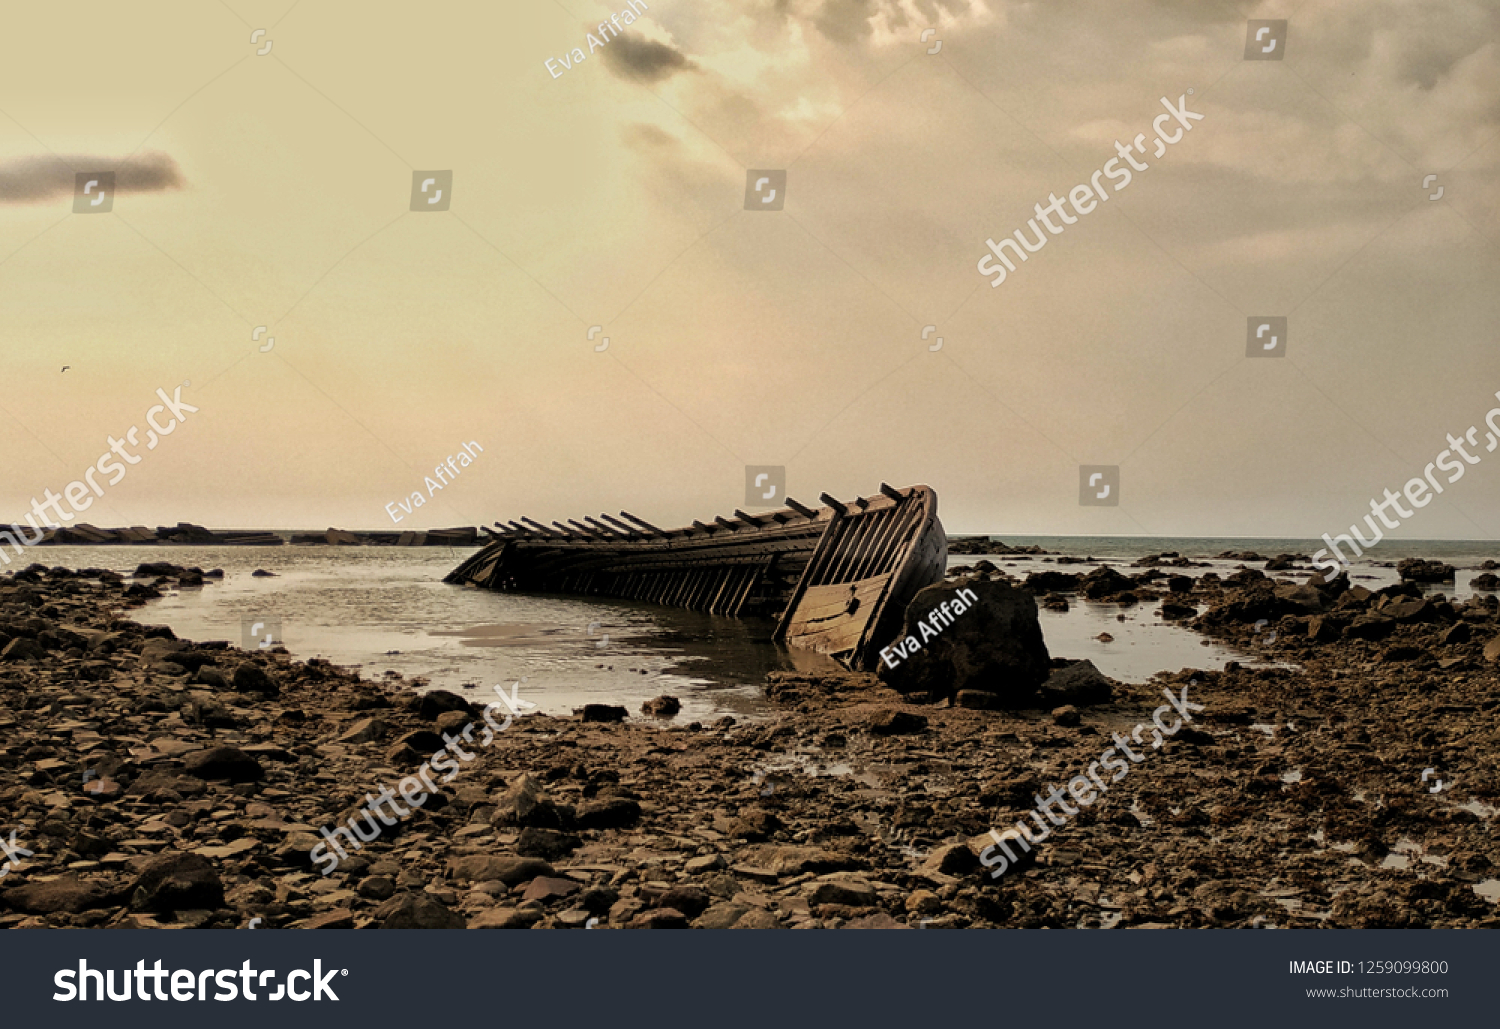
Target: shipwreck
[836,579]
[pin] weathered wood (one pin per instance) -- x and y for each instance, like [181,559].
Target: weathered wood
[837,579]
[641,522]
[621,526]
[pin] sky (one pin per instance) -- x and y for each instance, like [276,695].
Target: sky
[275,189]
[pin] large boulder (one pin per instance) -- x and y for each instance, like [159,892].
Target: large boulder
[1080,682]
[1415,569]
[178,881]
[993,643]
[228,764]
[1051,582]
[1103,582]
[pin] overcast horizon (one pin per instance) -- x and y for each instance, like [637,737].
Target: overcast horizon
[277,188]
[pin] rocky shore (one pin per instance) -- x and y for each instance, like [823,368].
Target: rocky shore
[158,782]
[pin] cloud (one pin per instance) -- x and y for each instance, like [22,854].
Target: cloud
[28,180]
[644,60]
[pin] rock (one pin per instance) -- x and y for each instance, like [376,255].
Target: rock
[261,573]
[608,813]
[206,710]
[157,652]
[1066,715]
[251,678]
[705,864]
[452,722]
[1079,683]
[414,747]
[1414,569]
[376,887]
[177,881]
[296,850]
[1370,627]
[526,803]
[338,918]
[879,920]
[1051,582]
[662,707]
[437,702]
[890,722]
[852,893]
[1299,599]
[1103,582]
[506,918]
[417,911]
[951,859]
[229,764]
[155,569]
[603,713]
[995,645]
[1408,610]
[756,918]
[977,700]
[546,843]
[924,902]
[722,915]
[785,861]
[1492,650]
[659,918]
[755,824]
[1460,633]
[366,730]
[22,649]
[1325,628]
[511,871]
[546,888]
[69,894]
[1487,581]
[211,677]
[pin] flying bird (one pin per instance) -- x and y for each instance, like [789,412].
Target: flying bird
[65,368]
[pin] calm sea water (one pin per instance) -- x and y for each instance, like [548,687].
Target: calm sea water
[387,609]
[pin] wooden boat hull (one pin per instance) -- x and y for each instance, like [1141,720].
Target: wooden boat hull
[837,579]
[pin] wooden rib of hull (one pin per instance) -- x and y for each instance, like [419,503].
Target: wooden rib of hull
[837,579]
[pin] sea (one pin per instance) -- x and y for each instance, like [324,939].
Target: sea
[387,612]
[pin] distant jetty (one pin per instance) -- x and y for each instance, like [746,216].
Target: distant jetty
[185,534]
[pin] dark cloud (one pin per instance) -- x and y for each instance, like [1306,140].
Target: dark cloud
[28,180]
[643,60]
